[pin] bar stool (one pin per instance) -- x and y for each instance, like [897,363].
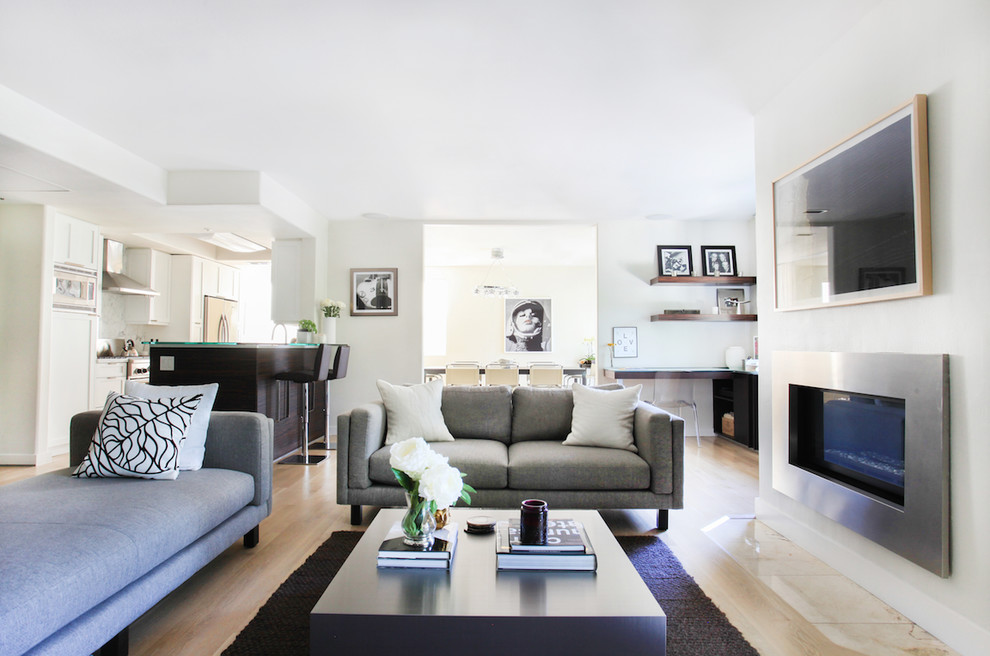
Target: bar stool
[321,366]
[337,371]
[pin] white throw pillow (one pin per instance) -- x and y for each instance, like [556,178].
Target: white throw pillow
[138,438]
[603,417]
[414,411]
[194,446]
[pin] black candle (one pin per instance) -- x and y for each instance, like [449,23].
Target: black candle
[533,522]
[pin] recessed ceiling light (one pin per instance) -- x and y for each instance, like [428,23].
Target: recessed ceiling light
[231,242]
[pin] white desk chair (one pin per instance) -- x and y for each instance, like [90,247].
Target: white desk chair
[502,373]
[463,373]
[546,374]
[677,393]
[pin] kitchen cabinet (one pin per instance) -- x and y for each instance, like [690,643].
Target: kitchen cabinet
[228,282]
[108,376]
[154,269]
[71,359]
[76,242]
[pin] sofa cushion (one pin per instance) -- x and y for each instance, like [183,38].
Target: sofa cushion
[478,412]
[69,543]
[603,417]
[194,446]
[483,461]
[550,465]
[139,437]
[540,413]
[414,411]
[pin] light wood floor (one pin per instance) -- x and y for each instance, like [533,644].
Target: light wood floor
[206,613]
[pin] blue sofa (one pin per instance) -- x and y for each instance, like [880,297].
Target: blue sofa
[80,559]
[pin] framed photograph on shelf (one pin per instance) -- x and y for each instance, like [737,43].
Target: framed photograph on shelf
[625,343]
[675,260]
[719,260]
[374,292]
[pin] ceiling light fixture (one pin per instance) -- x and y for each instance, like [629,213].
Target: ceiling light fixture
[231,242]
[491,287]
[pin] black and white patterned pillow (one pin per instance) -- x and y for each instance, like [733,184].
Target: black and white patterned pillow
[139,438]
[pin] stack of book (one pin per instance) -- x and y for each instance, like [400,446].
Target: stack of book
[394,552]
[567,548]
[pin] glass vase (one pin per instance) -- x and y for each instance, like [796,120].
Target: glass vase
[418,524]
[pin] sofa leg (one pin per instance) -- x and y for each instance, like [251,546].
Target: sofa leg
[116,646]
[355,515]
[662,520]
[252,537]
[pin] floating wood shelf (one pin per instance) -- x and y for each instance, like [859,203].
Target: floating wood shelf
[703,317]
[704,280]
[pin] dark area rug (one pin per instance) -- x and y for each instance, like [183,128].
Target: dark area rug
[695,626]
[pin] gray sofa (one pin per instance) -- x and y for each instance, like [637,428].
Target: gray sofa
[509,443]
[82,558]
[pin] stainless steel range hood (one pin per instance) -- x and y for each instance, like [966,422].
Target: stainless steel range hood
[114,279]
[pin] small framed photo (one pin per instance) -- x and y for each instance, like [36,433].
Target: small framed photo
[675,260]
[625,343]
[374,292]
[719,260]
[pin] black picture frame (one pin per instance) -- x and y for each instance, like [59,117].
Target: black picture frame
[374,292]
[718,260]
[674,261]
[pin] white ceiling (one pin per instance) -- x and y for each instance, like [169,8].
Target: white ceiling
[438,110]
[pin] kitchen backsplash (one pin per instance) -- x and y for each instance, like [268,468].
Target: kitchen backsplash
[113,326]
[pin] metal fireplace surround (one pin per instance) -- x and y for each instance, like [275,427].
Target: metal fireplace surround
[918,530]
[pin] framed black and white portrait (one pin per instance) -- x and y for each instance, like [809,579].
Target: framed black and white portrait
[719,260]
[374,292]
[528,325]
[675,260]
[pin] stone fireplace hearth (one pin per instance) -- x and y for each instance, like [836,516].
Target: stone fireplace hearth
[863,438]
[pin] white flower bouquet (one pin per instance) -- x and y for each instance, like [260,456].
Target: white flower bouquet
[331,308]
[430,482]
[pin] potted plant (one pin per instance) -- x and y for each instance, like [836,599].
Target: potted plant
[306,331]
[586,361]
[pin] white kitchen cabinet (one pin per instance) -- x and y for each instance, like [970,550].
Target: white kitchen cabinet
[154,269]
[228,282]
[107,377]
[186,292]
[76,242]
[211,278]
[70,371]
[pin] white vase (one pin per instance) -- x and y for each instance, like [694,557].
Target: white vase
[328,330]
[304,337]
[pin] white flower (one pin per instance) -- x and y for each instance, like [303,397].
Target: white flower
[331,308]
[413,456]
[442,484]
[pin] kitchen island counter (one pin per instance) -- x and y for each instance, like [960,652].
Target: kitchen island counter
[245,373]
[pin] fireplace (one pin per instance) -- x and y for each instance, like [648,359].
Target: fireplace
[862,438]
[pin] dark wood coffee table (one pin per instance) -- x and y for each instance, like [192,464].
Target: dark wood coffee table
[477,610]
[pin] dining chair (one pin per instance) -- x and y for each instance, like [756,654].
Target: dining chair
[546,374]
[677,393]
[502,373]
[463,373]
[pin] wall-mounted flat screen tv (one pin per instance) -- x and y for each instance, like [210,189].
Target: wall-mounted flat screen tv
[852,225]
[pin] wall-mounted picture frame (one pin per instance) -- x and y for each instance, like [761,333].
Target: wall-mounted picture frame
[718,260]
[625,342]
[674,260]
[528,325]
[853,224]
[374,292]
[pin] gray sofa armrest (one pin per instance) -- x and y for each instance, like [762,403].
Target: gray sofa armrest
[659,437]
[360,433]
[243,441]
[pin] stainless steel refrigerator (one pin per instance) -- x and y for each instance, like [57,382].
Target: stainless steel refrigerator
[219,319]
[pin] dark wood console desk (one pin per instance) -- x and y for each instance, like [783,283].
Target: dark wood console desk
[732,391]
[245,372]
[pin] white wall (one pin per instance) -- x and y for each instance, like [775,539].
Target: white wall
[902,48]
[389,348]
[476,325]
[25,269]
[627,261]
